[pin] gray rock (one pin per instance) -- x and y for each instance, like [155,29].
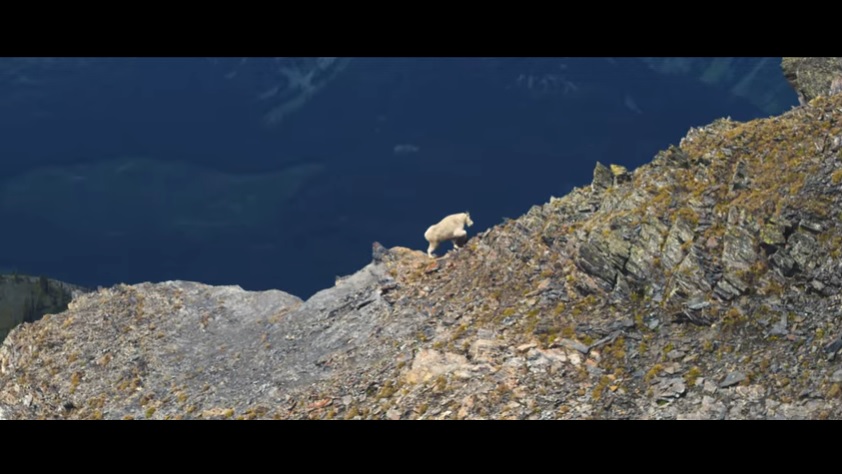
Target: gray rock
[772,234]
[378,252]
[646,246]
[740,180]
[621,290]
[26,298]
[810,225]
[784,263]
[697,304]
[604,257]
[571,344]
[833,347]
[673,251]
[738,249]
[689,277]
[626,323]
[732,379]
[603,178]
[835,86]
[836,143]
[811,77]
[779,329]
[710,409]
[725,290]
[802,247]
[669,388]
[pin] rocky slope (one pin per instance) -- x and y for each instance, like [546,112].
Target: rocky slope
[26,298]
[702,285]
[812,77]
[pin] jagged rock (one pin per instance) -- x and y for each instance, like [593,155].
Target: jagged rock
[669,388]
[575,345]
[697,304]
[689,278]
[604,257]
[779,329]
[621,290]
[378,252]
[772,235]
[833,347]
[674,250]
[811,77]
[738,248]
[740,179]
[25,299]
[482,350]
[674,156]
[621,174]
[619,170]
[429,364]
[812,226]
[818,287]
[725,290]
[711,409]
[602,178]
[537,358]
[801,246]
[785,263]
[733,378]
[643,251]
[835,86]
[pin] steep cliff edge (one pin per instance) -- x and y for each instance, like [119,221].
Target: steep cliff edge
[813,77]
[705,284]
[26,298]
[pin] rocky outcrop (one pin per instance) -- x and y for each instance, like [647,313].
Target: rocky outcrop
[813,77]
[25,299]
[704,284]
[181,349]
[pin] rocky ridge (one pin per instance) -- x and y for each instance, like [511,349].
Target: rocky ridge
[702,285]
[813,77]
[26,298]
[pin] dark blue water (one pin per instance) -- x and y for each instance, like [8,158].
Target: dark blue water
[485,146]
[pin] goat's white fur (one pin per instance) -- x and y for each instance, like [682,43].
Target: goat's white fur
[450,228]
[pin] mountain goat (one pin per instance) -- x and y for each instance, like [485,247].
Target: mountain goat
[450,228]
